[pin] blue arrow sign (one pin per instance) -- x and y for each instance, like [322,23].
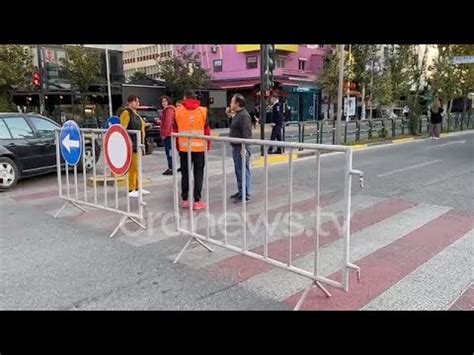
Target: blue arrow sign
[111,121]
[70,142]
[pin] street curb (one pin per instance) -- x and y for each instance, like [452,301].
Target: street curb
[282,158]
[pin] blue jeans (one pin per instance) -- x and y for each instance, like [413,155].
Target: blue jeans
[236,154]
[167,142]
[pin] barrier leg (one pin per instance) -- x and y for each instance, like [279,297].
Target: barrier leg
[306,291]
[67,204]
[200,242]
[356,268]
[123,220]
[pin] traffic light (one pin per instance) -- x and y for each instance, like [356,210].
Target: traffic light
[270,66]
[37,79]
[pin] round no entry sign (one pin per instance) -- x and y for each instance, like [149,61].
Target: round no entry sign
[118,150]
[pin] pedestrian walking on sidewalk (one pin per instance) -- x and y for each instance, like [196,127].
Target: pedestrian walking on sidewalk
[436,118]
[166,128]
[277,123]
[192,118]
[241,127]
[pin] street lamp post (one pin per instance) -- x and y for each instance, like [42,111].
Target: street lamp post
[263,63]
[42,72]
[339,94]
[371,87]
[108,79]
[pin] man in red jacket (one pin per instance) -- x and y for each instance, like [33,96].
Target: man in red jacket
[166,128]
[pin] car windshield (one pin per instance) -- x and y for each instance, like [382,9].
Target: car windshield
[149,114]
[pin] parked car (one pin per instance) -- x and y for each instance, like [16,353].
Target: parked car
[152,115]
[27,148]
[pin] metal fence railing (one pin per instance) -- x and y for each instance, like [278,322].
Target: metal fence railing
[324,131]
[240,242]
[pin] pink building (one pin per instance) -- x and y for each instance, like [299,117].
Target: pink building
[237,68]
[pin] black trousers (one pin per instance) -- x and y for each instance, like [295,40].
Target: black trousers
[276,135]
[197,164]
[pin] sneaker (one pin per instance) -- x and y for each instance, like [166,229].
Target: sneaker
[236,195]
[133,193]
[199,205]
[168,172]
[145,192]
[436,137]
[240,200]
[185,204]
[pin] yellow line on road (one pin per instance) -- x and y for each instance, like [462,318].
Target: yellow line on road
[402,140]
[273,159]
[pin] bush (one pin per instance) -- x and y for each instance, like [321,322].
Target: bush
[6,105]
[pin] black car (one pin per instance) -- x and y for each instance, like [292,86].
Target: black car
[151,115]
[27,147]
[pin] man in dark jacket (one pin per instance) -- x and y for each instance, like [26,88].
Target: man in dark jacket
[277,122]
[241,127]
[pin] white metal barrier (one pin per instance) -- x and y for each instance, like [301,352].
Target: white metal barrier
[316,278]
[77,198]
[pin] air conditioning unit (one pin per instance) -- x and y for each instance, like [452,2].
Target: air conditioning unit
[213,49]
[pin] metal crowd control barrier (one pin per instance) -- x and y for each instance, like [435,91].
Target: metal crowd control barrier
[316,278]
[324,124]
[356,131]
[76,195]
[308,134]
[292,135]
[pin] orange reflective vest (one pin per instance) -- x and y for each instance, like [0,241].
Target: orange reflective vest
[191,122]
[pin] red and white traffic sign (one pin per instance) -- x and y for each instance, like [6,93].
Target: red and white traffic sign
[118,150]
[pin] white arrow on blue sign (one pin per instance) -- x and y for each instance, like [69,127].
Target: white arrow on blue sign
[70,140]
[111,121]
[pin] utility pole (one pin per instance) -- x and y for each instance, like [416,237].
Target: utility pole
[42,81]
[108,79]
[339,94]
[263,65]
[348,85]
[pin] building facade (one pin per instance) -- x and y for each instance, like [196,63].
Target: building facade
[57,89]
[145,58]
[236,68]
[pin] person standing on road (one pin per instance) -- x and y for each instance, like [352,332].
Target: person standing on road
[241,127]
[277,123]
[130,120]
[166,125]
[436,118]
[192,118]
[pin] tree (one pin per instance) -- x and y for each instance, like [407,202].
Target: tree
[382,91]
[329,80]
[451,80]
[414,78]
[16,70]
[363,55]
[138,75]
[82,67]
[183,72]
